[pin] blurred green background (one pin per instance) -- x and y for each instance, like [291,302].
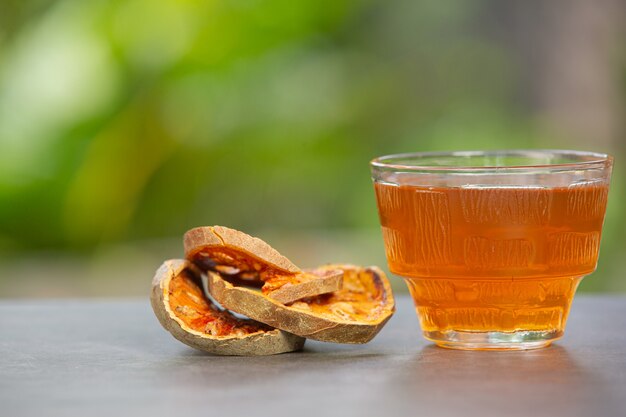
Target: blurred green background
[124,123]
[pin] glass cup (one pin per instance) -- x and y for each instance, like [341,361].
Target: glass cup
[492,244]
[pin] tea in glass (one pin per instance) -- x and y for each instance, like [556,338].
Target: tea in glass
[492,244]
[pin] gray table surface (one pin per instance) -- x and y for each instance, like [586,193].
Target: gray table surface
[111,357]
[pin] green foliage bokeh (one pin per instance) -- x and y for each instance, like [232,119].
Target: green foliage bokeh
[124,120]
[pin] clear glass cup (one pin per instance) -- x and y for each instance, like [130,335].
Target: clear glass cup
[492,244]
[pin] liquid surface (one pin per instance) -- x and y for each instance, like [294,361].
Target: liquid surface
[492,258]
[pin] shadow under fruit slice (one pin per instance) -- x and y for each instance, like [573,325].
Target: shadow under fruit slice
[182,309]
[354,314]
[250,261]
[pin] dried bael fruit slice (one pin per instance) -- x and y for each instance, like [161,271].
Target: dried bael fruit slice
[288,289]
[182,308]
[354,314]
[250,261]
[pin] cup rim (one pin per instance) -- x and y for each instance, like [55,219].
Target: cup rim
[595,159]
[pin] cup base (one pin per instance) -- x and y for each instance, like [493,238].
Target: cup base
[519,340]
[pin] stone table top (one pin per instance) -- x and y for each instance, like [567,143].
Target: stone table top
[89,357]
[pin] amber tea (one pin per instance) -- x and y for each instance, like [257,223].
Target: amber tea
[491,263]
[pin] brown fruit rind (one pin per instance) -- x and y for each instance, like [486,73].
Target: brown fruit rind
[311,283]
[234,244]
[248,338]
[249,261]
[354,314]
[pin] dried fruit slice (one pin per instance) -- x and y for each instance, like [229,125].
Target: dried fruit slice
[182,308]
[217,245]
[288,289]
[247,260]
[354,314]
